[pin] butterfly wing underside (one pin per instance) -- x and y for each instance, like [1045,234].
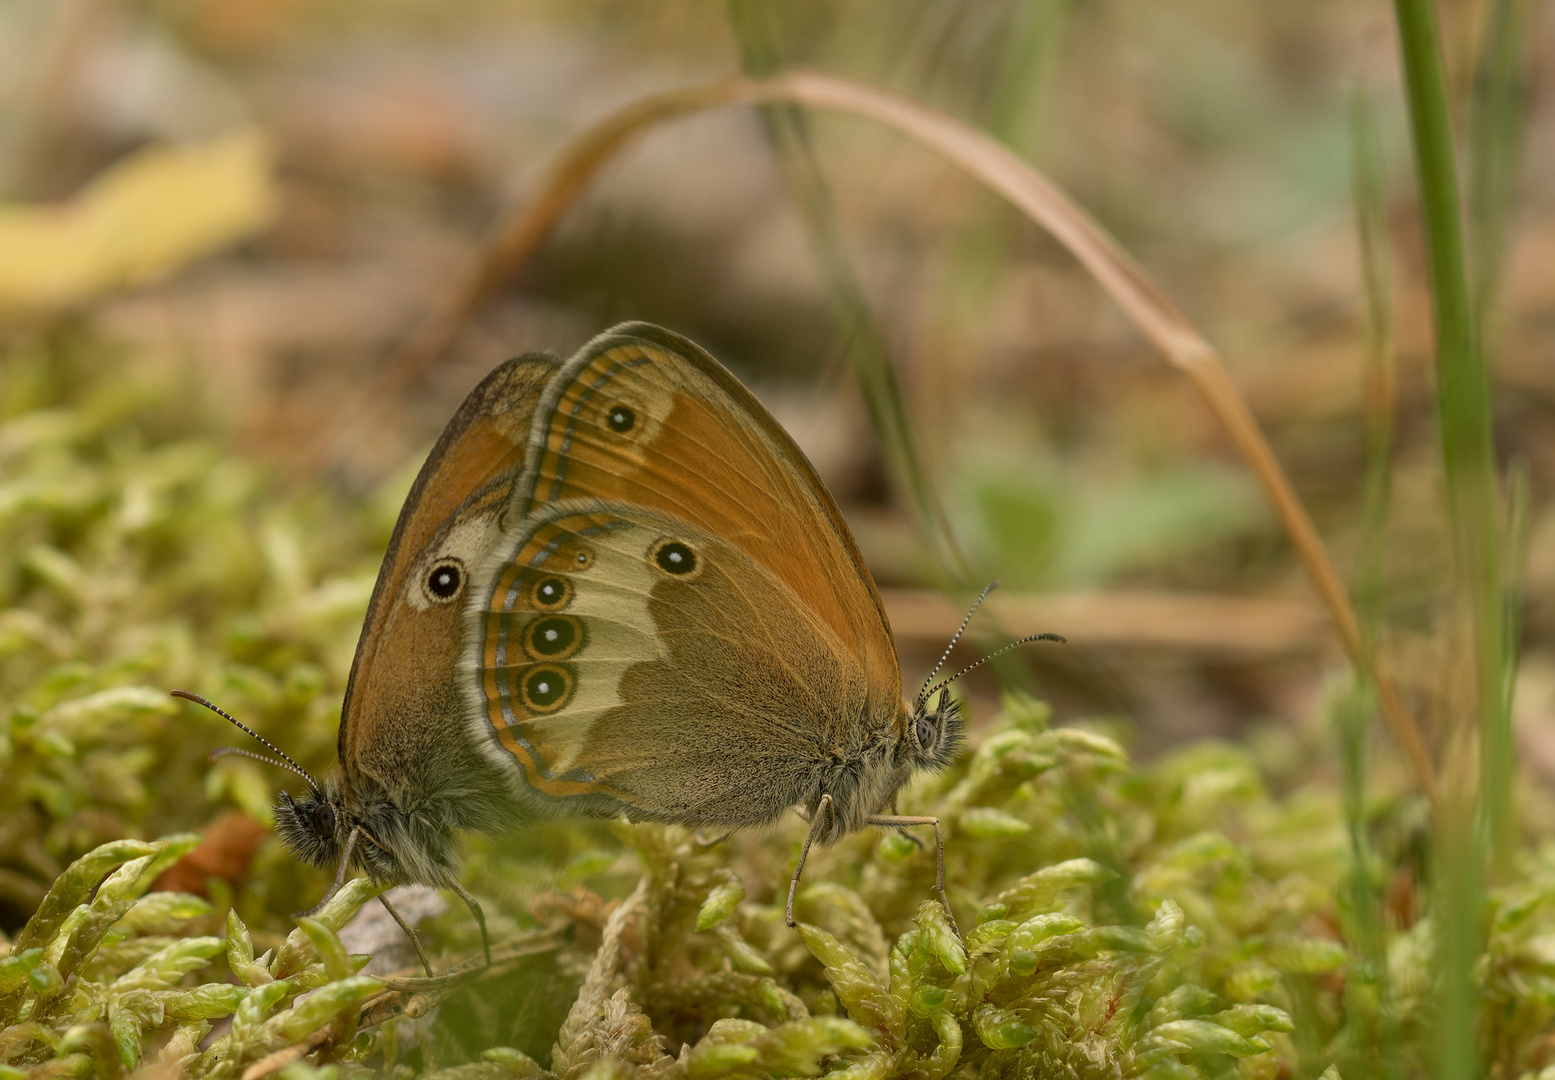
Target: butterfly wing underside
[406,672]
[677,608]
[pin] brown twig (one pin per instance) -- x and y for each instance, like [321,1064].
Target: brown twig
[983,157]
[274,1063]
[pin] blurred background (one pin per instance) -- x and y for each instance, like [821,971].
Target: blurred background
[223,219]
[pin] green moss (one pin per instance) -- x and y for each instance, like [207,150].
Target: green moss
[1173,920]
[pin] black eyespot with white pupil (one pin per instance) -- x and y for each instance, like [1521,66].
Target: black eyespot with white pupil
[552,594]
[925,733]
[555,636]
[444,580]
[621,419]
[675,558]
[546,688]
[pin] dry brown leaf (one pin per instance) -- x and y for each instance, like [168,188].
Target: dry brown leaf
[228,847]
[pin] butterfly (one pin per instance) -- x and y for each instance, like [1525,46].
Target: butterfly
[617,587]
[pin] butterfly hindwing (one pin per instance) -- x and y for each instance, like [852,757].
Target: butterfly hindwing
[567,615]
[636,663]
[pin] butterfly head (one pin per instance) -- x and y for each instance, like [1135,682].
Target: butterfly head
[934,732]
[392,843]
[314,827]
[937,730]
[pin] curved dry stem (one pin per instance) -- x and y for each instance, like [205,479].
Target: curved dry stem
[1147,306]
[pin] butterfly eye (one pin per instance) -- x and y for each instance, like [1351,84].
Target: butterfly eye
[621,419]
[444,580]
[925,732]
[324,819]
[675,558]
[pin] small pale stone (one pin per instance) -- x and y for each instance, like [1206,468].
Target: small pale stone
[375,931]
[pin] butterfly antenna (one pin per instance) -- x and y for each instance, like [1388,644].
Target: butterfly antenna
[1059,638]
[924,693]
[285,761]
[228,751]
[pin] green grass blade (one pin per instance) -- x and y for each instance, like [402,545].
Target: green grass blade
[1513,582]
[1463,393]
[1464,415]
[1027,56]
[1498,115]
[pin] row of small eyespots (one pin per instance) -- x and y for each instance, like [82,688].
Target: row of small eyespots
[552,592]
[547,686]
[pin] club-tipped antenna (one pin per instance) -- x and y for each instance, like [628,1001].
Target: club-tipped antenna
[1059,638]
[924,693]
[285,761]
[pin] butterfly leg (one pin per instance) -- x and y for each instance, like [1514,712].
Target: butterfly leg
[817,821]
[897,821]
[410,932]
[702,841]
[475,909]
[897,813]
[340,878]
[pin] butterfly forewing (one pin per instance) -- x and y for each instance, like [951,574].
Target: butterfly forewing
[404,678]
[647,418]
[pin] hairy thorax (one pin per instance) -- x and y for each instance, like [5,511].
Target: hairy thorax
[862,775]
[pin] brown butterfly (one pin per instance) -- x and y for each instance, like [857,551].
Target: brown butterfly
[616,587]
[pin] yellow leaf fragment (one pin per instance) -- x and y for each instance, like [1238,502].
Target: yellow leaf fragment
[144,217]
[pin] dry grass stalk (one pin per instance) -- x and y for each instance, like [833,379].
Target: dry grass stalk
[1204,622]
